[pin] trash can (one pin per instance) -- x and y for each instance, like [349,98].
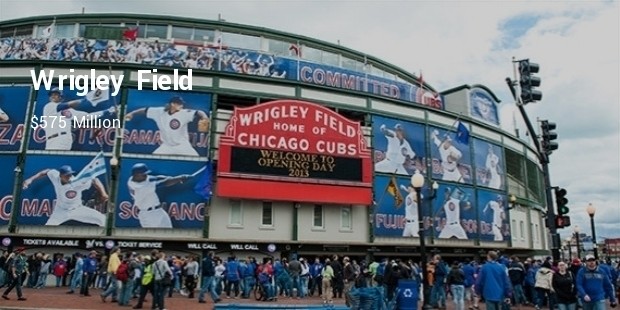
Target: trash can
[408,294]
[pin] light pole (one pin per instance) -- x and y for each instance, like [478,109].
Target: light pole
[417,181]
[576,229]
[591,210]
[570,249]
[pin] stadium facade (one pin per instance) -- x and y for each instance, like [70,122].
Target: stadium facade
[309,147]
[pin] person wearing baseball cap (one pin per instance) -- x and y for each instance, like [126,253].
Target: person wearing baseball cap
[594,286]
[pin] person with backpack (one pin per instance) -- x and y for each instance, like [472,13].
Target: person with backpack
[124,274]
[456,282]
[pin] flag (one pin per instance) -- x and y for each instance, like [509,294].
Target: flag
[294,48]
[204,187]
[462,133]
[393,190]
[95,168]
[47,31]
[97,96]
[131,34]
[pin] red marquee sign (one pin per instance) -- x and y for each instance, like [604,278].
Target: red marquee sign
[292,150]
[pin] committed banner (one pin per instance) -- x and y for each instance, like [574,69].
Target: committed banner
[219,57]
[483,106]
[490,167]
[64,121]
[451,159]
[399,146]
[7,164]
[494,220]
[52,195]
[167,123]
[160,194]
[285,149]
[13,106]
[454,213]
[396,213]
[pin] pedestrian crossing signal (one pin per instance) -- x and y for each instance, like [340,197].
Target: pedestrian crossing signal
[562,221]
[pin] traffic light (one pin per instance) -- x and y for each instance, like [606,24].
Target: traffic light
[529,82]
[561,201]
[562,221]
[549,136]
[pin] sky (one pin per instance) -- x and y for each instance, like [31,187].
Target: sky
[576,43]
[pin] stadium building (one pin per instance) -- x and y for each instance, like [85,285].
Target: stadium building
[285,145]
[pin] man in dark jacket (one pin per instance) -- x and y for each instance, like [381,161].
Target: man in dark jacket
[456,281]
[516,272]
[89,268]
[438,292]
[338,277]
[208,279]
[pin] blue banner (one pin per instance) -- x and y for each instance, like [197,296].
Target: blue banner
[483,106]
[454,213]
[13,107]
[7,164]
[451,160]
[50,196]
[396,209]
[400,146]
[494,221]
[225,59]
[160,194]
[490,167]
[166,123]
[65,121]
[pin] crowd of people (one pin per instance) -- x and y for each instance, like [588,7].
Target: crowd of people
[499,281]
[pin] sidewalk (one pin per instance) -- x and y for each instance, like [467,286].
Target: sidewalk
[53,298]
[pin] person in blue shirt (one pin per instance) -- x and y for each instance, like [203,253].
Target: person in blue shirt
[530,281]
[438,292]
[316,271]
[470,279]
[89,268]
[493,284]
[594,286]
[76,279]
[232,277]
[248,272]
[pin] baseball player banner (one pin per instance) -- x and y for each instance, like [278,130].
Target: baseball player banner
[493,214]
[167,123]
[454,215]
[490,167]
[14,102]
[396,207]
[7,164]
[52,195]
[65,121]
[399,146]
[160,194]
[451,158]
[483,105]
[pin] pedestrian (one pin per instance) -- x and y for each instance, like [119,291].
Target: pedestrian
[191,275]
[563,284]
[17,267]
[163,280]
[493,284]
[208,282]
[113,263]
[543,285]
[456,281]
[594,286]
[516,272]
[327,276]
[89,269]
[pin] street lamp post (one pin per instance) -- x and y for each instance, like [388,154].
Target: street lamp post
[577,230]
[570,249]
[591,210]
[417,181]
